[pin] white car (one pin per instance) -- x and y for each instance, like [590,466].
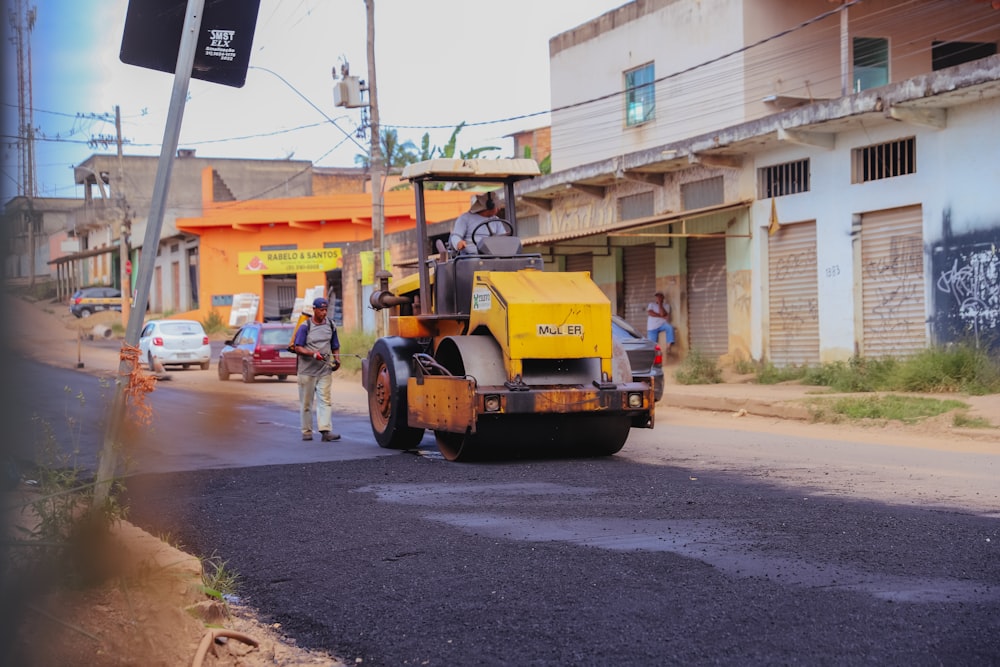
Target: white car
[174,343]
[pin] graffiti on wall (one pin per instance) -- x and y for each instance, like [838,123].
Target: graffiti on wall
[894,316]
[967,289]
[584,217]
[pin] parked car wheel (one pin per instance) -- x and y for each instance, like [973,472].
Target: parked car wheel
[223,373]
[205,365]
[85,312]
[248,375]
[282,378]
[152,366]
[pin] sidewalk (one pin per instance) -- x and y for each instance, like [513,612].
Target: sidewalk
[59,339]
[791,400]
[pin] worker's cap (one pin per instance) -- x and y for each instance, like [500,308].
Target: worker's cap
[321,303]
[483,202]
[658,294]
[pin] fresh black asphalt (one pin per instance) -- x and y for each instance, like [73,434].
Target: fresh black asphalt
[409,560]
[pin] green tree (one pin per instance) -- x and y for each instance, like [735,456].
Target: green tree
[398,154]
[448,151]
[395,153]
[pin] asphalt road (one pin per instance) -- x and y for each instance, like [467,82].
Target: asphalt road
[409,560]
[403,558]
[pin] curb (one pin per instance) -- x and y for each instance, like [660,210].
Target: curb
[778,409]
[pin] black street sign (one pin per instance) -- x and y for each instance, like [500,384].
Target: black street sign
[152,37]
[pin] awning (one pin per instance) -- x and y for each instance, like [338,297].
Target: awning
[83,254]
[633,227]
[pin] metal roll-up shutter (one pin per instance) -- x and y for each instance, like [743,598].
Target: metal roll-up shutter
[708,309]
[582,262]
[639,272]
[894,316]
[793,296]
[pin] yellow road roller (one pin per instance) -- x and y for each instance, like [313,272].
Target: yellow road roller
[495,355]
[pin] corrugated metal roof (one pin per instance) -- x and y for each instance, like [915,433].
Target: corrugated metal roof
[631,225]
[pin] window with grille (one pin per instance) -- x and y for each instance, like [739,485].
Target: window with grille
[893,158]
[640,95]
[779,180]
[949,54]
[871,63]
[635,206]
[699,194]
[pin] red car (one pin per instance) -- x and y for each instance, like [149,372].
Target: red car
[259,349]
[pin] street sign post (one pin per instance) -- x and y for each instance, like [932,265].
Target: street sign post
[153,29]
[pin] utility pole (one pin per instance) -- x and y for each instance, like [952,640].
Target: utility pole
[22,21]
[378,206]
[124,227]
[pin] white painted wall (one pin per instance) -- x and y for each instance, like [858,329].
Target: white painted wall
[676,37]
[958,170]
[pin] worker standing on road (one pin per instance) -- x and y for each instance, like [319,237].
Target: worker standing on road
[484,209]
[318,350]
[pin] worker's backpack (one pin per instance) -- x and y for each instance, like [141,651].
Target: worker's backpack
[307,319]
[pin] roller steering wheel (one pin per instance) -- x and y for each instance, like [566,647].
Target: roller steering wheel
[488,224]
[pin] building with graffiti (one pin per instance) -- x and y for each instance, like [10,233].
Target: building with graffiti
[805,180]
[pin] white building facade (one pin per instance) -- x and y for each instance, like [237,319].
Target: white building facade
[805,180]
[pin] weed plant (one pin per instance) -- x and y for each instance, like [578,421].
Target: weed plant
[950,369]
[214,323]
[698,368]
[63,533]
[354,346]
[953,369]
[218,579]
[858,374]
[963,420]
[768,373]
[906,409]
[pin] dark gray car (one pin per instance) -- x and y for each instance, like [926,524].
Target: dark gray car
[644,356]
[88,300]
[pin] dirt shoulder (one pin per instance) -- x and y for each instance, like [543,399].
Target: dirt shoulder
[148,607]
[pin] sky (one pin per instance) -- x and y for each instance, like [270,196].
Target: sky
[438,63]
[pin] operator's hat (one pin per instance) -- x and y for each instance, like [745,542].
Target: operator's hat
[320,303]
[483,201]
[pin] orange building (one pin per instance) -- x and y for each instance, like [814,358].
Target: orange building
[279,248]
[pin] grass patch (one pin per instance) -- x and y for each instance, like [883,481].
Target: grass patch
[698,368]
[963,420]
[938,370]
[855,375]
[768,373]
[958,368]
[890,407]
